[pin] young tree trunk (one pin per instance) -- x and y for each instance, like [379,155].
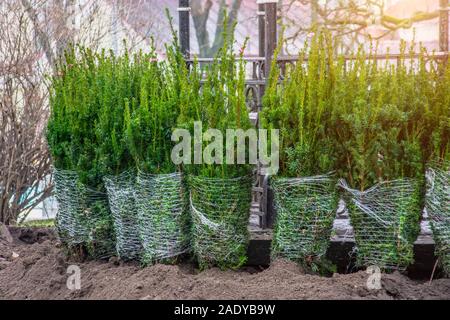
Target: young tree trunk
[200,10]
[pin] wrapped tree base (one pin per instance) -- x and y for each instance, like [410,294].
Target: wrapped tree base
[83,217]
[220,215]
[123,208]
[163,215]
[385,219]
[438,208]
[306,208]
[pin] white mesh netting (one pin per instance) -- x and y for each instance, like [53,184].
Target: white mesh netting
[123,208]
[305,211]
[220,214]
[83,216]
[163,215]
[385,219]
[438,209]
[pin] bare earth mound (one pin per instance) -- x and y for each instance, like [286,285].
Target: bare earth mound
[33,266]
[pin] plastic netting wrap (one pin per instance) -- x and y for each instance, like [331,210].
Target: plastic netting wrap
[438,209]
[123,208]
[163,215]
[70,220]
[306,208]
[385,219]
[83,216]
[220,215]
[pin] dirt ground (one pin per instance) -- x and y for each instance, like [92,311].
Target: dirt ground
[34,266]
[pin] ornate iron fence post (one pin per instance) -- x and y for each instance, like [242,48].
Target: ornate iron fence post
[270,33]
[267,35]
[183,12]
[261,28]
[270,46]
[259,66]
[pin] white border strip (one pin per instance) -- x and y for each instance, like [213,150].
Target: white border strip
[266,1]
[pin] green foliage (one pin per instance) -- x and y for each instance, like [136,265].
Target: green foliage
[46,223]
[300,106]
[74,108]
[367,120]
[220,104]
[110,114]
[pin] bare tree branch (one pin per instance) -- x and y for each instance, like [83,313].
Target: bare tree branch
[42,37]
[347,18]
[24,161]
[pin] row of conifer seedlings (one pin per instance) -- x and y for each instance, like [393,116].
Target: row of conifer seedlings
[372,132]
[377,127]
[109,133]
[385,219]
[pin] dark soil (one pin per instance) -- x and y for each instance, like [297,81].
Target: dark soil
[34,266]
